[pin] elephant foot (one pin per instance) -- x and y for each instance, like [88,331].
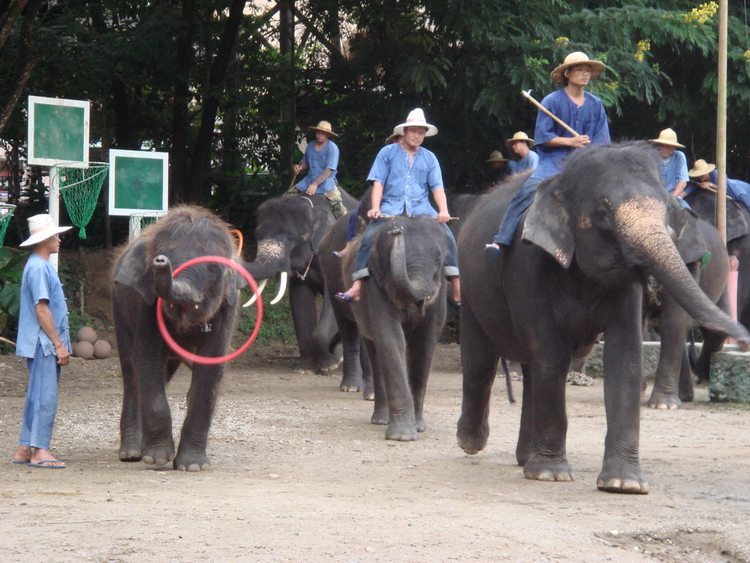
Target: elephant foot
[352,384]
[401,432]
[132,454]
[622,478]
[191,462]
[687,397]
[421,424]
[379,416]
[306,367]
[472,439]
[158,456]
[540,468]
[332,365]
[664,401]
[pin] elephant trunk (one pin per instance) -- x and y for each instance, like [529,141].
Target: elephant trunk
[641,229]
[407,289]
[270,261]
[171,290]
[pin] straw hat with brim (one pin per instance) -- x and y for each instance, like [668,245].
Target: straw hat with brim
[701,168]
[416,119]
[496,156]
[668,137]
[577,58]
[393,135]
[41,227]
[325,127]
[520,136]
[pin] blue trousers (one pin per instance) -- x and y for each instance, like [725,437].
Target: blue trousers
[41,400]
[368,238]
[521,201]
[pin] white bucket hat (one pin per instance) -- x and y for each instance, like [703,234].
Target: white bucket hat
[41,227]
[416,119]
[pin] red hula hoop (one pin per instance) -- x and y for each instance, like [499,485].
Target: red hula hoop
[203,359]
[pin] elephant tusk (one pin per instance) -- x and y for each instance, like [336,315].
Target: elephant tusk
[282,289]
[261,287]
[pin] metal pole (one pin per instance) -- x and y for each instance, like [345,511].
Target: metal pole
[721,125]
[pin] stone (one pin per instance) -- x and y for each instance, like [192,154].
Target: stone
[102,349]
[730,377]
[83,349]
[86,334]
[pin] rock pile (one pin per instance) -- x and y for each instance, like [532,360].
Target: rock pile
[88,347]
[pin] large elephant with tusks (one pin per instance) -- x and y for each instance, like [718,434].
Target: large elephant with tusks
[199,306]
[575,269]
[288,234]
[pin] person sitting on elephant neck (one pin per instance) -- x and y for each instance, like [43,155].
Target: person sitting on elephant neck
[704,175]
[321,158]
[351,232]
[402,177]
[582,111]
[674,170]
[521,145]
[499,170]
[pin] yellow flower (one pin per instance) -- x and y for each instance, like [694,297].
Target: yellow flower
[746,54]
[701,14]
[562,40]
[643,46]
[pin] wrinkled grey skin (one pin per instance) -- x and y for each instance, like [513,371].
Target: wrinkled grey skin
[200,308]
[356,365]
[400,315]
[288,234]
[703,203]
[591,236]
[673,381]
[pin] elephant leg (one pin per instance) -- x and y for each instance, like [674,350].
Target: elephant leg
[380,408]
[130,417]
[479,365]
[673,326]
[305,317]
[712,342]
[324,332]
[686,393]
[623,365]
[526,432]
[368,393]
[420,349]
[157,444]
[391,352]
[352,379]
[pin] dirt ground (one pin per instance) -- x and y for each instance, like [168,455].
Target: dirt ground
[299,474]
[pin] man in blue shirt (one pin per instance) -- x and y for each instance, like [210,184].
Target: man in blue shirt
[580,110]
[321,159]
[402,176]
[44,339]
[521,145]
[674,169]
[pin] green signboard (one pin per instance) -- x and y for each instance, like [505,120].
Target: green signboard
[138,182]
[58,131]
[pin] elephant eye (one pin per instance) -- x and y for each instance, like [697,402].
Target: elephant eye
[601,214]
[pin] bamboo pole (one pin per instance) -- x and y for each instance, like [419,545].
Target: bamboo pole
[721,124]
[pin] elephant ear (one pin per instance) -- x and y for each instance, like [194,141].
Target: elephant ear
[690,242]
[736,223]
[547,223]
[133,271]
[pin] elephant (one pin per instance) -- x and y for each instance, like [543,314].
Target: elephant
[288,234]
[575,269]
[673,381]
[400,314]
[200,308]
[703,203]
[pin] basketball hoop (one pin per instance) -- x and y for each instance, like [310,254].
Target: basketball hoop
[6,212]
[80,185]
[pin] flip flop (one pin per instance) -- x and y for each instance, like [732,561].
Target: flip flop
[490,252]
[20,462]
[345,297]
[43,466]
[337,254]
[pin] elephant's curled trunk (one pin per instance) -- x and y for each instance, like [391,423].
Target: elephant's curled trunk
[647,238]
[169,289]
[407,289]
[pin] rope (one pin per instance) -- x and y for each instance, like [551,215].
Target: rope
[80,187]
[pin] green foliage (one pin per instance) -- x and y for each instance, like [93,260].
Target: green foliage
[78,320]
[10,289]
[277,325]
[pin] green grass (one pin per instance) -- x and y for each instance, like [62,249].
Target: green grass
[277,325]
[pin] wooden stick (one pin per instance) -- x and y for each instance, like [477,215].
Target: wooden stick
[710,189]
[548,112]
[8,341]
[392,216]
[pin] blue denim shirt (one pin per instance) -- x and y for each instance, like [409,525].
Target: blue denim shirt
[406,186]
[317,161]
[40,281]
[673,170]
[528,162]
[588,119]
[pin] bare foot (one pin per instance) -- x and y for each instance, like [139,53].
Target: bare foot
[22,454]
[353,294]
[456,283]
[39,455]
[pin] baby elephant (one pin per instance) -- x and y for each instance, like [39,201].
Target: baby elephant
[199,307]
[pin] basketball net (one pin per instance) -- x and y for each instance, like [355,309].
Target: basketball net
[80,185]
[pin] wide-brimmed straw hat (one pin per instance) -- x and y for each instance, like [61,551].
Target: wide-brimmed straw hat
[701,168]
[392,136]
[416,119]
[41,227]
[496,156]
[325,127]
[577,58]
[668,137]
[519,136]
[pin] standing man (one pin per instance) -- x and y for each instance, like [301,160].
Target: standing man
[44,339]
[674,168]
[321,159]
[521,145]
[402,176]
[582,111]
